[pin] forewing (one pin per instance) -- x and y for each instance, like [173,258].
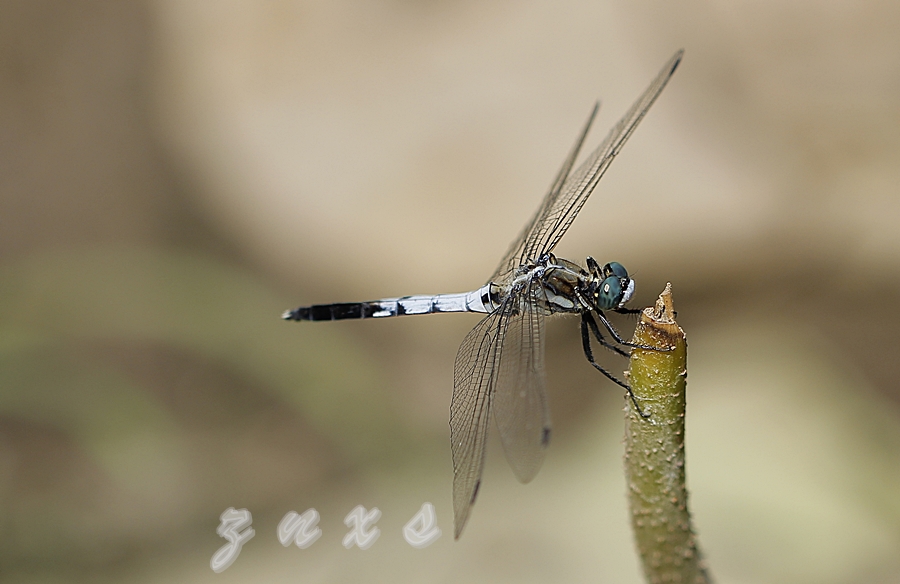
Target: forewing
[570,191]
[558,215]
[470,410]
[512,258]
[520,399]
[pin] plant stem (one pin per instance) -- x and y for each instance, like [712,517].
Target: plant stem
[654,450]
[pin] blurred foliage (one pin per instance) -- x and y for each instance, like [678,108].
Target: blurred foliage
[137,381]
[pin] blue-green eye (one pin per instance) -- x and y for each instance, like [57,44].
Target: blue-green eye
[610,293]
[615,269]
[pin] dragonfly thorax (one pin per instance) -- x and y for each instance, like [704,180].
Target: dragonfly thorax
[567,287]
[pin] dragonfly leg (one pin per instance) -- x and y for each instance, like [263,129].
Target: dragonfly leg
[587,317]
[622,341]
[621,310]
[586,343]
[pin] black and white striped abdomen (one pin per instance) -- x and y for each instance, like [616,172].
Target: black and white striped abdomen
[485,299]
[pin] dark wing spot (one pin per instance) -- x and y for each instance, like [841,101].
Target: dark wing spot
[475,493]
[545,437]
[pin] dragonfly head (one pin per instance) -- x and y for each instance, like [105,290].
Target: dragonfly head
[612,287]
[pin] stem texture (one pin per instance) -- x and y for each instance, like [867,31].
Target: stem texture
[654,450]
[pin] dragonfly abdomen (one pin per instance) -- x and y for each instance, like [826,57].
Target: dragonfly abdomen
[333,311]
[481,300]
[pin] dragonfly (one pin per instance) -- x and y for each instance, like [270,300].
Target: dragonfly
[499,368]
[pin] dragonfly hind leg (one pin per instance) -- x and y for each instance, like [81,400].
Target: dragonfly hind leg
[588,325]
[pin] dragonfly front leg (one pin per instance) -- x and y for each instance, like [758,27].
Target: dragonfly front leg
[586,322]
[618,337]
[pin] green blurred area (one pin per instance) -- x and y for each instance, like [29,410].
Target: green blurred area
[141,380]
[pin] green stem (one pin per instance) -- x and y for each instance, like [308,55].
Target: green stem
[654,450]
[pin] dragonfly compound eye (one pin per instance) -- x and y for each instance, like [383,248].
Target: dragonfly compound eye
[610,294]
[615,269]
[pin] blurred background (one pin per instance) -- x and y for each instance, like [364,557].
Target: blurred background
[176,173]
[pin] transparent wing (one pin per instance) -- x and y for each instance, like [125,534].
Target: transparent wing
[564,201]
[470,410]
[512,258]
[520,398]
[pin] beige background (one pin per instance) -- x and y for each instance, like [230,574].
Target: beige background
[174,174]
